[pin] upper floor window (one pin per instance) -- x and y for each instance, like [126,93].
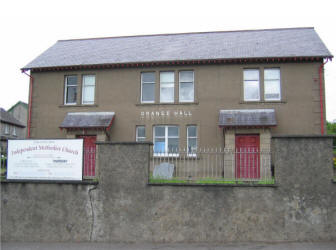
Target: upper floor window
[88,89]
[6,129]
[186,89]
[70,90]
[14,131]
[167,83]
[272,84]
[192,140]
[166,139]
[140,133]
[251,85]
[148,87]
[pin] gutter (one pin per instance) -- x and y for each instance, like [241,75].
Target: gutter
[31,80]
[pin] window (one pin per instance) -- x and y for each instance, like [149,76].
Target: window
[272,84]
[70,90]
[88,89]
[192,140]
[140,133]
[166,139]
[148,87]
[167,83]
[6,129]
[14,130]
[251,85]
[186,89]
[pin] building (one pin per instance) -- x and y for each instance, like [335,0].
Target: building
[10,128]
[20,112]
[213,89]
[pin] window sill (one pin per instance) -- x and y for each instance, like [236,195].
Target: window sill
[76,105]
[263,102]
[168,104]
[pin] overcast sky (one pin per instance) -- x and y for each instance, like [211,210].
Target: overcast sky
[30,27]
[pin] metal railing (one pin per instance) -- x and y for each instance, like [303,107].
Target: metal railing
[212,165]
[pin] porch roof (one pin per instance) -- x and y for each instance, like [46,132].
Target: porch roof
[247,118]
[79,120]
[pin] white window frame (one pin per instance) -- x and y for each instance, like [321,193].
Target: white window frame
[191,137]
[142,101]
[193,84]
[88,85]
[7,129]
[166,153]
[14,131]
[246,81]
[167,85]
[279,81]
[66,85]
[137,137]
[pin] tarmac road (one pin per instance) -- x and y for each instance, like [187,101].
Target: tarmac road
[145,246]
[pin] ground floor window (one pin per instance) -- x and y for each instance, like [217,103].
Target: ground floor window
[166,139]
[140,133]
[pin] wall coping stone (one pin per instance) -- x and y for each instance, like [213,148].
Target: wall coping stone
[84,182]
[125,143]
[303,136]
[213,185]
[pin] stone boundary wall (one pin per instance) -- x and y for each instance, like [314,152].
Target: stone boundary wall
[122,207]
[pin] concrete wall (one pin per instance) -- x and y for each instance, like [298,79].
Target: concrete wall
[124,208]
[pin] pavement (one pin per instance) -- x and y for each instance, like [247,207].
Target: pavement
[147,246]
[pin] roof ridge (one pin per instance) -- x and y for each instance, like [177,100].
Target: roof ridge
[183,33]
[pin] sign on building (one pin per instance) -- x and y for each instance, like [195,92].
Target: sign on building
[45,159]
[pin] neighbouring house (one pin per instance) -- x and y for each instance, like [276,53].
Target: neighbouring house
[20,112]
[231,90]
[10,128]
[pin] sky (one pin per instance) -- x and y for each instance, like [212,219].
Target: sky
[30,27]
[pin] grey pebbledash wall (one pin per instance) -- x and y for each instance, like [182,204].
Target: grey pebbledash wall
[124,208]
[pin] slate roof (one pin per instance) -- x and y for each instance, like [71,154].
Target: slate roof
[25,105]
[247,117]
[271,43]
[88,120]
[7,117]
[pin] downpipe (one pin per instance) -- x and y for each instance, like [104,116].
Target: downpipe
[31,80]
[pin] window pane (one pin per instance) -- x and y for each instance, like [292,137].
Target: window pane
[166,76]
[192,145]
[71,80]
[173,131]
[88,94]
[173,144]
[141,132]
[187,92]
[191,131]
[186,76]
[270,74]
[159,145]
[148,92]
[89,80]
[166,94]
[148,77]
[71,94]
[272,90]
[251,90]
[251,74]
[159,131]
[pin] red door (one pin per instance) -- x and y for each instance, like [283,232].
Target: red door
[247,157]
[89,155]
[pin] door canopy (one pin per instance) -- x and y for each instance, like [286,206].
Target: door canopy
[247,118]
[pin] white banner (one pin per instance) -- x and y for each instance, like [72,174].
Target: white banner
[45,159]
